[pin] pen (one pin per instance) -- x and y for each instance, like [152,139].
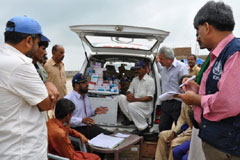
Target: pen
[192,78]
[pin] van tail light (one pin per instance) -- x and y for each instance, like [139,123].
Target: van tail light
[158,112]
[157,121]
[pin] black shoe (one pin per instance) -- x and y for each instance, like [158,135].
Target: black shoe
[140,133]
[151,137]
[126,122]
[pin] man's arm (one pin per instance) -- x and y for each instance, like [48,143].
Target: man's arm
[101,110]
[27,84]
[88,121]
[142,99]
[49,102]
[76,134]
[61,144]
[159,66]
[76,121]
[182,119]
[131,98]
[222,104]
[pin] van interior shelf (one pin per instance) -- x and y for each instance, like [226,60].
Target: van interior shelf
[103,92]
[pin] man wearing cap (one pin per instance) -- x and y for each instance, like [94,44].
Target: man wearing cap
[81,119]
[136,105]
[23,95]
[56,71]
[171,71]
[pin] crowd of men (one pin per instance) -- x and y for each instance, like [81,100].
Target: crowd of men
[203,122]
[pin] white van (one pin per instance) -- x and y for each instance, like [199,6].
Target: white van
[114,50]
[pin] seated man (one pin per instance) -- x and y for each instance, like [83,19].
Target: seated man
[136,105]
[169,139]
[59,130]
[81,120]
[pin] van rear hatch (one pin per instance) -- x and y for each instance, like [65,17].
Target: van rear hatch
[120,38]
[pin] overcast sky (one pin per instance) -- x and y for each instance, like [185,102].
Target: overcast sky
[55,17]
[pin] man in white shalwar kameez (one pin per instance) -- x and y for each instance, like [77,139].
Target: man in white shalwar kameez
[136,105]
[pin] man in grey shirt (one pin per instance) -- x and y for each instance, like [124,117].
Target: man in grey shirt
[171,70]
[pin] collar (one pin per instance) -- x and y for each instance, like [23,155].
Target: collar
[38,63]
[18,53]
[191,69]
[76,94]
[216,51]
[53,63]
[144,77]
[174,63]
[59,123]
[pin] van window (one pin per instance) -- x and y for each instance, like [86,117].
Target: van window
[120,65]
[121,42]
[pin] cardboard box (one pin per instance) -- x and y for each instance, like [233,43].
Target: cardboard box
[149,149]
[130,153]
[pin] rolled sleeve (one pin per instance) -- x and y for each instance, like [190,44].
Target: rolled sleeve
[26,83]
[151,88]
[76,121]
[74,133]
[205,101]
[130,89]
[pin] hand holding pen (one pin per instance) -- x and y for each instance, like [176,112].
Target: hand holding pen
[190,85]
[189,79]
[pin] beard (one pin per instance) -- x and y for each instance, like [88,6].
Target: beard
[30,53]
[83,90]
[191,65]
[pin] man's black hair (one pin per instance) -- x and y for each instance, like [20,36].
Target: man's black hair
[195,57]
[217,14]
[54,48]
[63,108]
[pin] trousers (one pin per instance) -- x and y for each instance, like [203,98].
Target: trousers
[163,152]
[138,112]
[170,111]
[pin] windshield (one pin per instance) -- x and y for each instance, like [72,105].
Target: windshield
[121,42]
[117,65]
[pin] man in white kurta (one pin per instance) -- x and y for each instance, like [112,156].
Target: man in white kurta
[23,96]
[136,105]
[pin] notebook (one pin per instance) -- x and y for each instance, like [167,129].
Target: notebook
[105,141]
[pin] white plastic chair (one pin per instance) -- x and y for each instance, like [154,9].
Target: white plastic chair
[55,157]
[82,147]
